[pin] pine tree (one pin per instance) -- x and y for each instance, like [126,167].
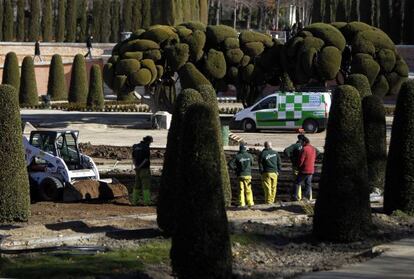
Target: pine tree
[11,73]
[105,21]
[127,16]
[136,15]
[146,13]
[20,30]
[115,12]
[71,21]
[8,21]
[14,185]
[95,94]
[56,86]
[47,21]
[82,21]
[97,20]
[78,90]
[28,95]
[60,21]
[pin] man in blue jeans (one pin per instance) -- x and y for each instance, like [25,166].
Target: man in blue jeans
[306,165]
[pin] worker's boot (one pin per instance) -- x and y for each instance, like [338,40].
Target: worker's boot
[135,199]
[147,197]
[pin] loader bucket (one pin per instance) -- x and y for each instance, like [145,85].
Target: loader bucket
[94,190]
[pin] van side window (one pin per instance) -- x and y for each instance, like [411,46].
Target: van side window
[268,103]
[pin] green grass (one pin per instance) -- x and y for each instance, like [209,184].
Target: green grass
[67,265]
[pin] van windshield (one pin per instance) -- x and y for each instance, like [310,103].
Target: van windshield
[268,103]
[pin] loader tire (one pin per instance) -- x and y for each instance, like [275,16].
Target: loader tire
[51,189]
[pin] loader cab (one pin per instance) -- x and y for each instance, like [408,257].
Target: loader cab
[63,144]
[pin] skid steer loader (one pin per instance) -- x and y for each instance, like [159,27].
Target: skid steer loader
[59,171]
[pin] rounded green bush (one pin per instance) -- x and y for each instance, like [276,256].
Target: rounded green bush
[361,83]
[353,28]
[119,83]
[142,45]
[395,81]
[196,43]
[160,71]
[253,49]
[127,66]
[234,56]
[311,42]
[363,46]
[78,89]
[329,63]
[216,34]
[245,61]
[307,59]
[377,38]
[150,65]
[247,72]
[14,182]
[195,25]
[56,86]
[11,72]
[153,54]
[380,87]
[305,34]
[293,46]
[160,34]
[367,67]
[95,94]
[28,95]
[401,68]
[339,25]
[137,55]
[183,31]
[141,77]
[177,55]
[329,34]
[231,43]
[387,59]
[215,64]
[191,77]
[251,36]
[232,74]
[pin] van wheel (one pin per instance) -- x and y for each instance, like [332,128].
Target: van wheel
[50,189]
[310,126]
[249,125]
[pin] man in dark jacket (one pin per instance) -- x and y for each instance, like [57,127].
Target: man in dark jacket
[242,164]
[306,169]
[293,153]
[89,47]
[37,52]
[269,165]
[141,159]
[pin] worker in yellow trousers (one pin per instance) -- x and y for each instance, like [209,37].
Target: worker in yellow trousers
[270,165]
[242,164]
[141,159]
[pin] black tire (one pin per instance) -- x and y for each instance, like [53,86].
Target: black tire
[50,189]
[310,126]
[249,125]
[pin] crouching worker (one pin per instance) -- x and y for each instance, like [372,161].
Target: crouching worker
[270,165]
[141,159]
[242,164]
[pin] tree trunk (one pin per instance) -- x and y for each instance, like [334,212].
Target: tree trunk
[235,15]
[277,15]
[249,18]
[218,6]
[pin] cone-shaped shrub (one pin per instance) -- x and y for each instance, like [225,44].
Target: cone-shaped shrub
[95,95]
[191,77]
[28,88]
[399,185]
[168,198]
[375,140]
[11,74]
[56,86]
[78,90]
[8,21]
[203,221]
[14,182]
[342,210]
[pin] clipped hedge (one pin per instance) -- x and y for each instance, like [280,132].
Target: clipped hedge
[11,73]
[191,77]
[78,89]
[56,86]
[215,64]
[361,83]
[95,94]
[28,95]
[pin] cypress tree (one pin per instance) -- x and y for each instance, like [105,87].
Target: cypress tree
[146,13]
[71,20]
[396,21]
[366,12]
[168,198]
[47,21]
[82,20]
[204,11]
[157,12]
[115,12]
[20,30]
[316,11]
[328,11]
[28,88]
[354,13]
[34,28]
[95,94]
[127,16]
[342,210]
[385,16]
[408,36]
[60,21]
[97,20]
[136,15]
[14,185]
[203,221]
[375,140]
[78,89]
[8,21]
[399,185]
[11,74]
[105,21]
[1,20]
[56,86]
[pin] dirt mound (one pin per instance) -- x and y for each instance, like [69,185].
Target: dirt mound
[114,152]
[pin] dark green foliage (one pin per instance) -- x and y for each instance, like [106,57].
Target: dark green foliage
[381,87]
[196,43]
[71,20]
[60,29]
[97,9]
[136,15]
[234,56]
[161,34]
[309,43]
[105,21]
[109,74]
[138,55]
[191,77]
[168,195]
[216,34]
[401,68]
[293,46]
[387,59]
[28,88]
[119,85]
[146,13]
[251,36]
[127,66]
[11,73]
[329,62]
[56,86]
[20,30]
[377,38]
[367,67]
[47,21]
[127,16]
[361,83]
[231,43]
[399,193]
[183,31]
[329,34]
[317,14]
[253,49]
[153,54]
[141,77]
[150,65]
[354,14]
[215,64]
[95,94]
[83,21]
[8,21]
[1,20]
[342,210]
[195,25]
[203,221]
[177,55]
[14,185]
[395,81]
[375,140]
[115,12]
[78,90]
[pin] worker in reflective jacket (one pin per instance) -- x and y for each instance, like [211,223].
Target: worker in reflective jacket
[141,159]
[270,165]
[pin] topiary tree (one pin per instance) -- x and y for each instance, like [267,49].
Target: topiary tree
[71,20]
[11,74]
[78,89]
[28,95]
[95,95]
[342,210]
[375,140]
[20,30]
[82,11]
[361,83]
[399,193]
[8,21]
[60,22]
[34,27]
[203,221]
[105,23]
[14,185]
[168,194]
[56,86]
[97,9]
[115,12]
[47,21]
